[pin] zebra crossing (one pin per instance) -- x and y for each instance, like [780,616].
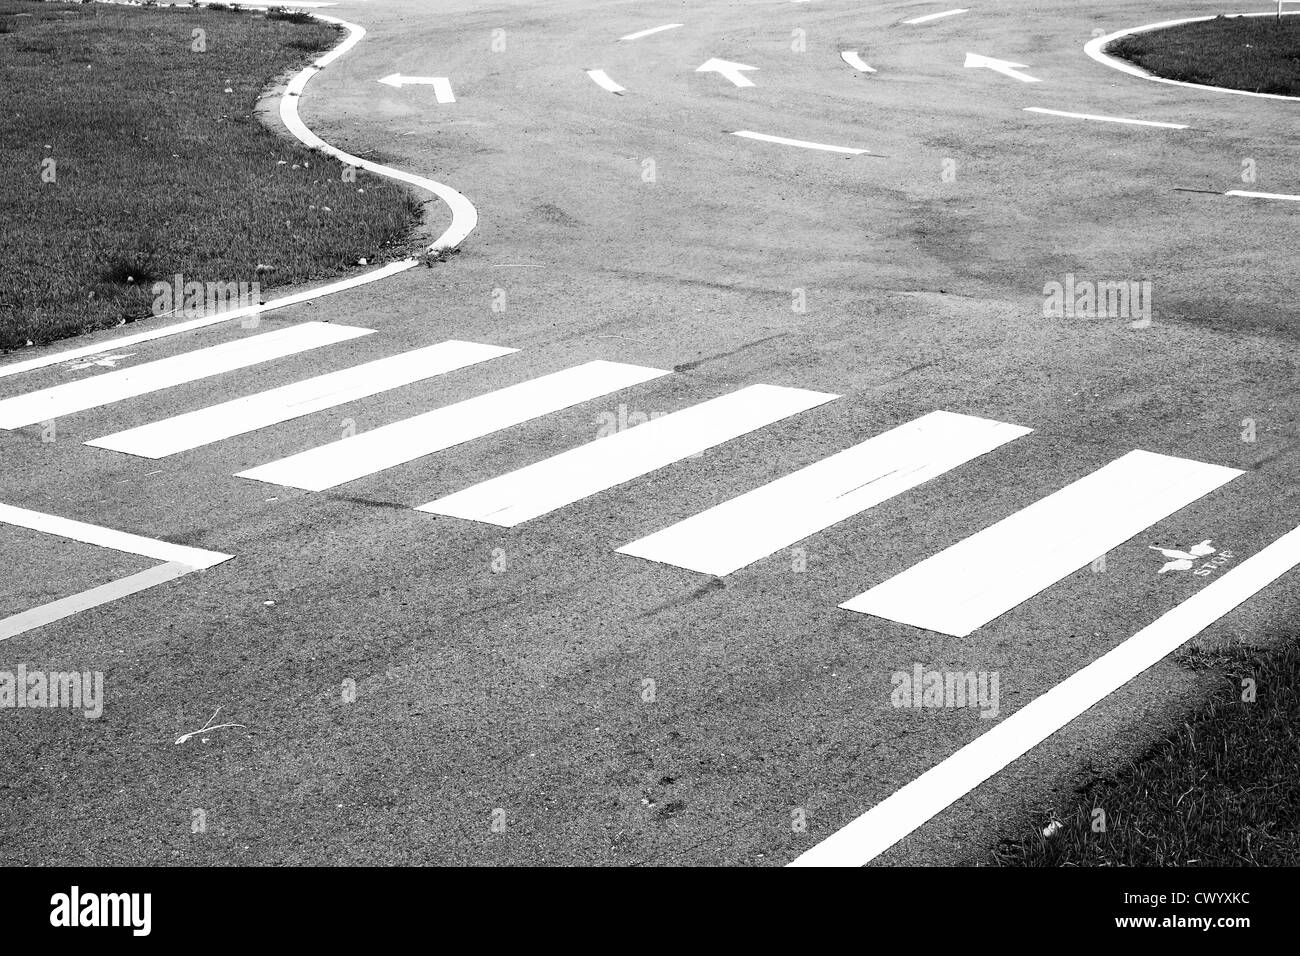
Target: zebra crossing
[953,592]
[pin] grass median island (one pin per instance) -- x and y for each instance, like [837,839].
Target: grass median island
[131,153]
[1258,54]
[1224,790]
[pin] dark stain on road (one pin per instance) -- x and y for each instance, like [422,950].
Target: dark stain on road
[704,590]
[690,366]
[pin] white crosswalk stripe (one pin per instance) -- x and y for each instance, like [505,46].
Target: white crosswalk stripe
[242,415]
[543,487]
[71,397]
[370,452]
[982,577]
[783,512]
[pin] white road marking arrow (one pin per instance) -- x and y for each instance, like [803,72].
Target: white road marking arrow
[441,85]
[731,71]
[105,361]
[852,59]
[1005,67]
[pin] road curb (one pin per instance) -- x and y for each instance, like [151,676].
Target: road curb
[464,217]
[1095,47]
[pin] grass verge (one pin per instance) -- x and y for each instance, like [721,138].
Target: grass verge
[1257,54]
[132,153]
[1223,790]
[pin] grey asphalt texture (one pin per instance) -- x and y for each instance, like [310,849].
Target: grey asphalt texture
[522,688]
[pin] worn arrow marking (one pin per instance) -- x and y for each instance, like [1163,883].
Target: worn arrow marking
[1005,67]
[732,71]
[441,85]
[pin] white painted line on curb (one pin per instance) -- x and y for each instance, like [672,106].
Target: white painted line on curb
[936,16]
[71,397]
[242,415]
[604,82]
[645,33]
[765,138]
[781,513]
[852,59]
[538,489]
[1251,195]
[985,575]
[1103,119]
[203,322]
[905,810]
[1095,48]
[411,438]
[464,217]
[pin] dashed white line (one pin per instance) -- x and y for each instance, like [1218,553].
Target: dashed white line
[1253,195]
[804,144]
[908,808]
[1103,119]
[604,82]
[852,59]
[645,33]
[937,16]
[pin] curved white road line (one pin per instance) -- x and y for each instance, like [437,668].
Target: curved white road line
[1095,47]
[602,80]
[804,144]
[1103,119]
[852,59]
[464,217]
[645,33]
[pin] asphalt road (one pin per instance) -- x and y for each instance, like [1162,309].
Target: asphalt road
[502,675]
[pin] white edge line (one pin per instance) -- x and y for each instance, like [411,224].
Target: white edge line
[1095,46]
[463,220]
[767,138]
[1103,119]
[908,808]
[342,285]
